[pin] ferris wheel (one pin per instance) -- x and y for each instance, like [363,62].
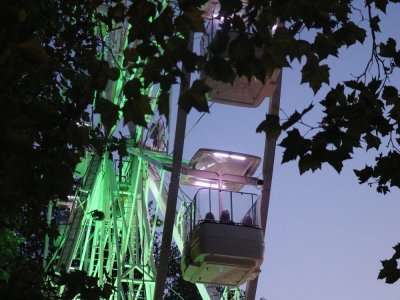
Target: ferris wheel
[108,228]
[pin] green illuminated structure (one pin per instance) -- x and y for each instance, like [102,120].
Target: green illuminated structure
[108,227]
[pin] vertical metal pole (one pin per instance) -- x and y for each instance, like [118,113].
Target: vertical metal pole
[191,217]
[101,254]
[117,248]
[194,212]
[220,201]
[268,166]
[95,240]
[120,169]
[231,208]
[253,219]
[173,189]
[209,200]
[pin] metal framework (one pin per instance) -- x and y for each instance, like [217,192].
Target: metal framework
[111,229]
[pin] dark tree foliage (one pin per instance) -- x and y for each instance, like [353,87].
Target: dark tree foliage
[390,271]
[52,74]
[176,287]
[175,281]
[50,70]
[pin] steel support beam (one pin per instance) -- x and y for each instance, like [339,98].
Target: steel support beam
[173,188]
[268,167]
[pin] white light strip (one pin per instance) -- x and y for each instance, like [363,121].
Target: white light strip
[238,157]
[206,167]
[219,154]
[205,184]
[225,155]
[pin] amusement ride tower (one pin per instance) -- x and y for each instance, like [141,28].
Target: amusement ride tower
[109,226]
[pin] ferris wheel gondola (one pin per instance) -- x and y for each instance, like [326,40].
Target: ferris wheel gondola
[224,243]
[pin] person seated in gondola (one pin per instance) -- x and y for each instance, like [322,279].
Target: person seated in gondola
[209,216]
[225,217]
[247,221]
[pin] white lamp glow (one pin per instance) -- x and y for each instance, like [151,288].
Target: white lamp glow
[206,184]
[219,154]
[238,157]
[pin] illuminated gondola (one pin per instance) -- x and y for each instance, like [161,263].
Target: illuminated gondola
[224,243]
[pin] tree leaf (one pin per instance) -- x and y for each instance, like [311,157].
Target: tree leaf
[295,117]
[390,94]
[355,85]
[270,126]
[130,56]
[349,34]
[219,69]
[283,38]
[325,46]
[219,43]
[306,162]
[372,141]
[389,272]
[132,88]
[136,109]
[381,5]
[117,12]
[190,20]
[195,18]
[113,73]
[230,7]
[364,174]
[108,112]
[383,189]
[374,24]
[147,9]
[295,145]
[396,254]
[388,49]
[314,74]
[241,49]
[146,50]
[163,103]
[336,157]
[195,97]
[299,49]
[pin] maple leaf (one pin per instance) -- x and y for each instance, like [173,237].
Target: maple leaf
[295,145]
[270,126]
[195,97]
[136,109]
[295,117]
[108,112]
[314,74]
[389,272]
[388,49]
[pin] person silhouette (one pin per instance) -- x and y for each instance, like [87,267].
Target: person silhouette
[247,221]
[225,217]
[209,216]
